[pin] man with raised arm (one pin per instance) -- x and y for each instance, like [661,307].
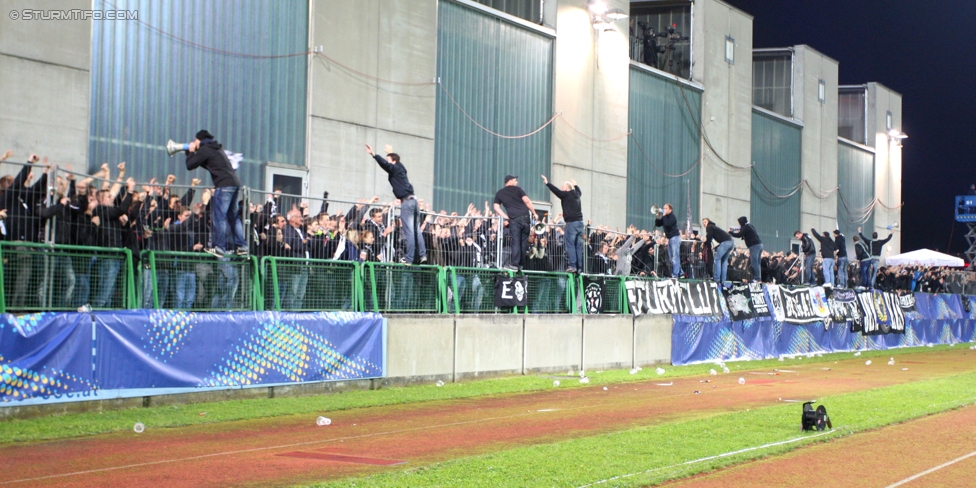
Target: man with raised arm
[569,197]
[409,214]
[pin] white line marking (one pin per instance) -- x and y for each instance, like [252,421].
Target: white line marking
[929,471]
[709,458]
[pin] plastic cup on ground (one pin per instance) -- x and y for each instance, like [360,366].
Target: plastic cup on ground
[139,427]
[742,381]
[323,421]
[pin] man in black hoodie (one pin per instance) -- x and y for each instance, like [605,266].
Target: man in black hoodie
[841,245]
[809,252]
[225,217]
[748,233]
[827,250]
[876,247]
[722,251]
[667,220]
[569,197]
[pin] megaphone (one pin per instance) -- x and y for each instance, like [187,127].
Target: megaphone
[539,228]
[893,226]
[655,209]
[173,147]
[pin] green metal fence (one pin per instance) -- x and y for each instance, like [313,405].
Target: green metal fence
[198,282]
[398,288]
[550,292]
[614,294]
[296,284]
[43,277]
[472,290]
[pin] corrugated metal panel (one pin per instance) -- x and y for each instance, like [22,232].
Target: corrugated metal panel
[855,174]
[530,10]
[776,155]
[501,75]
[151,81]
[664,116]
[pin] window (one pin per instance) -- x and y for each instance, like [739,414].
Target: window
[660,37]
[822,91]
[729,50]
[527,10]
[852,114]
[772,81]
[888,124]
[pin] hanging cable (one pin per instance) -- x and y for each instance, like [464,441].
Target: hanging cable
[641,149]
[475,122]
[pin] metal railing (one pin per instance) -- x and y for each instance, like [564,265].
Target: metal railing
[397,288]
[294,284]
[550,292]
[471,290]
[38,277]
[614,294]
[198,281]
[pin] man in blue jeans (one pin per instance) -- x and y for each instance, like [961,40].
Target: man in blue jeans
[227,233]
[720,269]
[750,235]
[569,197]
[409,214]
[667,220]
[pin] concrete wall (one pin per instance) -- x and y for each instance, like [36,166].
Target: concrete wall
[420,347]
[45,84]
[488,344]
[608,341]
[424,348]
[394,40]
[819,142]
[553,343]
[591,91]
[726,107]
[887,161]
[652,339]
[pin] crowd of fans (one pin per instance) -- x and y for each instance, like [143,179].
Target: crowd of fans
[102,211]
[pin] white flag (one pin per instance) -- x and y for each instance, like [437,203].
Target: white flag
[235,158]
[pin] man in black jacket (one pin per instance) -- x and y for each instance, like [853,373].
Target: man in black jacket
[518,214]
[748,233]
[667,220]
[106,218]
[296,246]
[225,218]
[863,253]
[569,197]
[720,268]
[409,214]
[841,243]
[827,250]
[876,246]
[809,252]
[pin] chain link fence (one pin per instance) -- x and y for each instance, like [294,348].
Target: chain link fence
[295,284]
[197,282]
[396,288]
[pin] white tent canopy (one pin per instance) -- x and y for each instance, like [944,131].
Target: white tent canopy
[924,257]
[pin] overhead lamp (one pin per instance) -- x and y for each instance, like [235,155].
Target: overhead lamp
[603,25]
[597,7]
[897,134]
[616,14]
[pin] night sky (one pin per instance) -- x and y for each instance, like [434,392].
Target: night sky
[925,51]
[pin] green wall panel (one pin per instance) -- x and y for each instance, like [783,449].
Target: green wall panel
[776,156]
[501,75]
[855,175]
[664,117]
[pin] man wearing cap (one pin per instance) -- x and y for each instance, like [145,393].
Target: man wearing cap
[227,229]
[409,215]
[518,214]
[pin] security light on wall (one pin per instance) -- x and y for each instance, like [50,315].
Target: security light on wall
[616,14]
[604,17]
[597,7]
[729,50]
[896,136]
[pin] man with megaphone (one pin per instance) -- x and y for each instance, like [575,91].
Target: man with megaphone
[225,214]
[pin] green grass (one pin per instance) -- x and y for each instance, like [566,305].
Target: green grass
[649,455]
[91,423]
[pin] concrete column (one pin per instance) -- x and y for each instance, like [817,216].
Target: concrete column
[363,41]
[726,107]
[591,90]
[887,162]
[819,140]
[45,83]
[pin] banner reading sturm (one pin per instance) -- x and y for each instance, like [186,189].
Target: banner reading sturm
[671,297]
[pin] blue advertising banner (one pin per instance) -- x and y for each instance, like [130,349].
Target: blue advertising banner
[174,349]
[45,355]
[938,319]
